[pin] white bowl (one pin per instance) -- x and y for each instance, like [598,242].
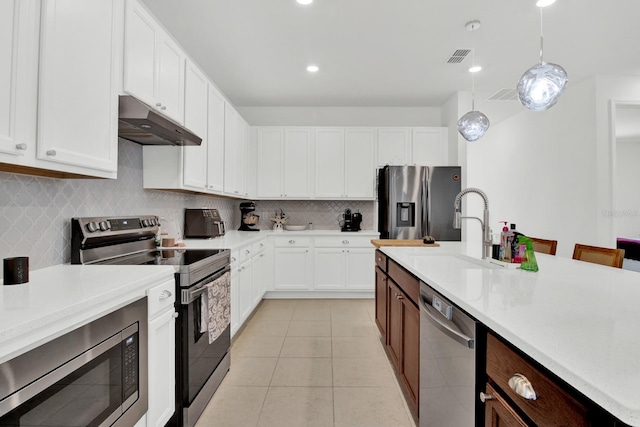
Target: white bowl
[295,227]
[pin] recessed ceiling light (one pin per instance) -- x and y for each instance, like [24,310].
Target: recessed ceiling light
[545,3]
[475,69]
[312,68]
[305,2]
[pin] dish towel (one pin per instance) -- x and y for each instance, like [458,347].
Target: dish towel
[215,311]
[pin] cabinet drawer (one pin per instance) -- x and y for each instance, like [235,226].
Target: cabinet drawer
[409,284]
[292,242]
[234,259]
[258,247]
[245,253]
[161,297]
[381,260]
[553,406]
[345,241]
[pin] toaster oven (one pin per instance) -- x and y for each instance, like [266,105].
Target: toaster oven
[203,223]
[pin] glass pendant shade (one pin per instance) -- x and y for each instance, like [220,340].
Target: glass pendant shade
[541,85]
[473,125]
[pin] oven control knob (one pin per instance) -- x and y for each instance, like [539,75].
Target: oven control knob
[154,221]
[104,226]
[92,227]
[146,222]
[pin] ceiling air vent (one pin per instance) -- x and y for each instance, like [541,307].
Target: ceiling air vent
[458,56]
[506,94]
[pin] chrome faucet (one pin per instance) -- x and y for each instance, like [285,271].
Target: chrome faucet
[486,231]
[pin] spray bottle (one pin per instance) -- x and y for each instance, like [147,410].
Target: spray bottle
[529,262]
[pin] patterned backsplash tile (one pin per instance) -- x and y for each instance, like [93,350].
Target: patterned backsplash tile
[35,212]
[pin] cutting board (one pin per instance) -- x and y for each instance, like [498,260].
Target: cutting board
[401,242]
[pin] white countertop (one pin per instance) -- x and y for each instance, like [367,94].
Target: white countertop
[234,239]
[579,320]
[61,298]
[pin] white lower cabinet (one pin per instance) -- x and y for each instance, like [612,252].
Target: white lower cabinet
[343,263]
[292,263]
[244,291]
[161,339]
[235,318]
[248,284]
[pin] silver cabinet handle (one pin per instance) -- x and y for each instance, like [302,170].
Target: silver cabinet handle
[261,245]
[521,385]
[261,255]
[399,297]
[247,251]
[175,315]
[21,146]
[292,241]
[164,295]
[163,108]
[233,259]
[346,242]
[51,152]
[485,397]
[158,104]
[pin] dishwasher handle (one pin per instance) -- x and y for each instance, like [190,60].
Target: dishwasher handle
[445,326]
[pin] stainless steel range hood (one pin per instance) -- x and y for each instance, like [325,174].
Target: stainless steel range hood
[140,123]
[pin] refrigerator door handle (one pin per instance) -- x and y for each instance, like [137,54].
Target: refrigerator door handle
[425,219]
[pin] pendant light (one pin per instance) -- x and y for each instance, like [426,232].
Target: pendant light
[473,125]
[541,85]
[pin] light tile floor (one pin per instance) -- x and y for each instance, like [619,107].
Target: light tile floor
[309,363]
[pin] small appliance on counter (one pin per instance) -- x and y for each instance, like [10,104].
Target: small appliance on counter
[249,218]
[203,223]
[350,221]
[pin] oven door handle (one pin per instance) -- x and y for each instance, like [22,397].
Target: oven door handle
[190,295]
[446,327]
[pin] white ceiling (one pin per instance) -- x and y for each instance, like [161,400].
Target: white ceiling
[393,52]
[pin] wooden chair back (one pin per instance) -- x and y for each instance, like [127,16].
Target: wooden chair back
[598,255]
[544,246]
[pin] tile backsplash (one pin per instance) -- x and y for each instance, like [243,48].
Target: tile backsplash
[35,212]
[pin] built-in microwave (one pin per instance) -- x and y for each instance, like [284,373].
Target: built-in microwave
[95,375]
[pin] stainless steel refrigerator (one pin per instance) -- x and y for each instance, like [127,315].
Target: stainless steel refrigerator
[416,201]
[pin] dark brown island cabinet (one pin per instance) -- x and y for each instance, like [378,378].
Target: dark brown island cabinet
[498,404]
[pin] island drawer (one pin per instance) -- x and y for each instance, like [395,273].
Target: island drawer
[292,242]
[409,284]
[381,260]
[553,403]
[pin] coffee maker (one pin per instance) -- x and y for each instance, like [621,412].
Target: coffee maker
[351,221]
[248,217]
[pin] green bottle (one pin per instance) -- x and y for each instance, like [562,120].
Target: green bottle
[529,263]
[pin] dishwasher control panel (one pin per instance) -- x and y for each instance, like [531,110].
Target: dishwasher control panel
[442,306]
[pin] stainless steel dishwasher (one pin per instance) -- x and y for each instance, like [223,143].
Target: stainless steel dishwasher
[447,362]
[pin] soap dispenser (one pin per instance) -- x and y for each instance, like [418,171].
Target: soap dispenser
[503,241]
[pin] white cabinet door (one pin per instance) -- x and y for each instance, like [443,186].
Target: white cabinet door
[215,141]
[244,291]
[153,63]
[360,167]
[429,146]
[329,267]
[241,156]
[170,77]
[79,83]
[359,272]
[257,279]
[235,312]
[161,369]
[140,55]
[297,173]
[231,151]
[330,163]
[270,146]
[292,270]
[394,146]
[195,119]
[19,25]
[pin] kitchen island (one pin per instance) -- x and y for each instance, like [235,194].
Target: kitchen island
[578,320]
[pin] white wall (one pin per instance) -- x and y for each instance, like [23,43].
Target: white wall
[341,116]
[539,170]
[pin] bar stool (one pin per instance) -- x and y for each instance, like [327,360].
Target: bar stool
[598,255]
[544,246]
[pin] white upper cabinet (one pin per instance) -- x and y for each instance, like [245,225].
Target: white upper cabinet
[429,146]
[283,162]
[408,146]
[215,141]
[79,83]
[329,163]
[19,25]
[394,146]
[195,119]
[359,158]
[153,63]
[236,137]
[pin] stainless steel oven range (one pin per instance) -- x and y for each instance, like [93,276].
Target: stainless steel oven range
[95,375]
[200,365]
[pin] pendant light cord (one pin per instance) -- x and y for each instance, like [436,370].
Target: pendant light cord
[541,38]
[473,75]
